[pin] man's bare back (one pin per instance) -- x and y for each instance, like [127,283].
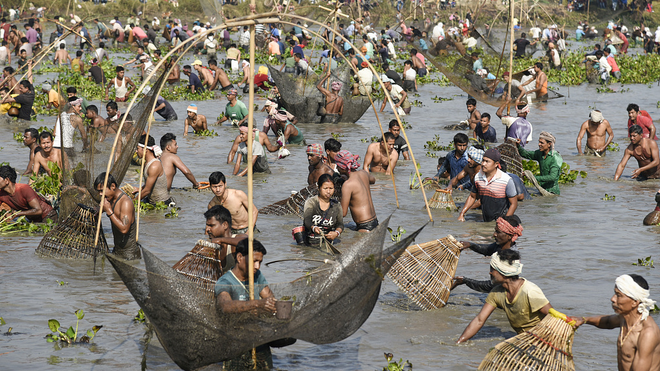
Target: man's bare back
[316,172]
[167,160]
[62,57]
[356,195]
[221,79]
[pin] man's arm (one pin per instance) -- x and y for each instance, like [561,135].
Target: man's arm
[578,142]
[622,164]
[244,172]
[454,181]
[610,136]
[646,344]
[468,204]
[131,84]
[651,130]
[149,183]
[605,322]
[368,157]
[555,170]
[233,150]
[477,323]
[263,139]
[500,111]
[205,124]
[38,158]
[227,305]
[178,163]
[514,205]
[77,122]
[185,127]
[107,88]
[346,194]
[244,202]
[34,210]
[394,157]
[237,166]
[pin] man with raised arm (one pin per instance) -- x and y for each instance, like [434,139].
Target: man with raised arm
[171,161]
[332,102]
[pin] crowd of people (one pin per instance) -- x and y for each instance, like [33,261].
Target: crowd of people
[343,182]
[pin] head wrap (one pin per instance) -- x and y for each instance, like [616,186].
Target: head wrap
[364,64]
[155,148]
[336,85]
[386,79]
[192,108]
[475,154]
[596,116]
[545,135]
[505,74]
[503,266]
[75,102]
[279,115]
[263,70]
[523,110]
[631,289]
[347,160]
[232,92]
[493,154]
[482,72]
[46,87]
[315,149]
[507,228]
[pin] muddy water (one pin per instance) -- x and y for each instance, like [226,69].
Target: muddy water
[573,247]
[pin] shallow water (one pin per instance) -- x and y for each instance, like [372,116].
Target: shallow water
[573,247]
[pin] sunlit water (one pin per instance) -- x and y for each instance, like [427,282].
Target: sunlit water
[573,246]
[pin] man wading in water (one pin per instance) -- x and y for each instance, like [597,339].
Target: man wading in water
[196,122]
[171,161]
[599,135]
[317,165]
[155,181]
[376,159]
[121,212]
[638,345]
[233,200]
[645,151]
[333,103]
[218,228]
[355,192]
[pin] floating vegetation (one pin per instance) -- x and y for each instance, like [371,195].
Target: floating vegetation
[48,185]
[337,135]
[416,103]
[373,139]
[70,336]
[646,262]
[437,99]
[613,147]
[206,133]
[431,154]
[607,89]
[396,366]
[173,212]
[565,176]
[609,198]
[140,317]
[396,237]
[10,223]
[434,145]
[181,92]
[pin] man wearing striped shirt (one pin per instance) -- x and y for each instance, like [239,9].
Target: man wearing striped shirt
[495,188]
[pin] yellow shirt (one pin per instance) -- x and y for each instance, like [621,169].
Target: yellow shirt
[232,53]
[524,311]
[75,65]
[54,98]
[4,108]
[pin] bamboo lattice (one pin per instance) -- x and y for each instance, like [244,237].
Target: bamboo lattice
[547,346]
[202,265]
[425,271]
[294,204]
[442,199]
[512,158]
[74,237]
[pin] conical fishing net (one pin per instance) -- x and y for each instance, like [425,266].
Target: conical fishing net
[212,10]
[330,303]
[294,204]
[202,265]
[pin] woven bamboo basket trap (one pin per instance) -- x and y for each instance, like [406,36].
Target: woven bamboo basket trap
[442,199]
[425,271]
[74,237]
[202,265]
[546,347]
[511,157]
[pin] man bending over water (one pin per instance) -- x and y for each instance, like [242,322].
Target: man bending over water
[355,192]
[22,198]
[645,151]
[377,158]
[218,228]
[233,200]
[171,161]
[638,344]
[599,135]
[121,212]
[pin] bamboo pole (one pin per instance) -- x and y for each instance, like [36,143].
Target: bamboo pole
[511,9]
[249,165]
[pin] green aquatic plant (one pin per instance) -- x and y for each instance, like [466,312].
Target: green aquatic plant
[337,135]
[565,176]
[396,366]
[437,99]
[206,133]
[146,206]
[613,147]
[173,212]
[10,223]
[609,198]
[431,154]
[140,317]
[646,262]
[70,335]
[396,237]
[48,185]
[18,137]
[416,103]
[434,145]
[2,323]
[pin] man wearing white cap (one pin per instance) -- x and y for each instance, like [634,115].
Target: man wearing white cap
[399,97]
[197,122]
[638,345]
[599,135]
[523,302]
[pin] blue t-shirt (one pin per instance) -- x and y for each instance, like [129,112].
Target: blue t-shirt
[239,290]
[193,80]
[490,136]
[453,165]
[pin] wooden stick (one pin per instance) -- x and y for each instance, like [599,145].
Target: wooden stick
[510,46]
[250,169]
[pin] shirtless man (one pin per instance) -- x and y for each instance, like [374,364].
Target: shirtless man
[645,151]
[638,345]
[204,73]
[171,161]
[474,116]
[8,80]
[541,88]
[317,165]
[96,122]
[30,138]
[599,135]
[221,78]
[50,154]
[355,192]
[175,74]
[195,121]
[120,82]
[376,159]
[154,188]
[334,104]
[263,140]
[234,200]
[62,56]
[121,212]
[218,228]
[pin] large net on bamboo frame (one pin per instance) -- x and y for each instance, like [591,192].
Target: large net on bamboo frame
[511,157]
[73,238]
[202,265]
[330,303]
[546,347]
[425,271]
[294,204]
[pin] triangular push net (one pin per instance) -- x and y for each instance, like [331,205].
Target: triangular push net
[330,304]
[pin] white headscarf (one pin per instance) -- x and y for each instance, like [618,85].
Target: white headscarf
[503,266]
[631,289]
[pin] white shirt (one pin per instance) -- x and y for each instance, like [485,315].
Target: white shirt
[366,77]
[555,57]
[410,75]
[100,53]
[396,92]
[245,38]
[3,53]
[155,22]
[257,148]
[657,35]
[470,42]
[604,65]
[391,51]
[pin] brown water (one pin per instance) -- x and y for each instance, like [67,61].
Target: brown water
[573,247]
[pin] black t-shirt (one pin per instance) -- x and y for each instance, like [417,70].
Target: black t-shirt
[400,145]
[26,100]
[166,112]
[521,45]
[97,74]
[394,76]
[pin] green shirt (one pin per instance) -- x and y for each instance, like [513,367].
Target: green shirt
[238,290]
[238,112]
[290,62]
[550,167]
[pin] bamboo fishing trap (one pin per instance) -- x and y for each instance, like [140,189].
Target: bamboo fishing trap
[546,347]
[425,271]
[202,265]
[74,237]
[442,199]
[294,204]
[511,157]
